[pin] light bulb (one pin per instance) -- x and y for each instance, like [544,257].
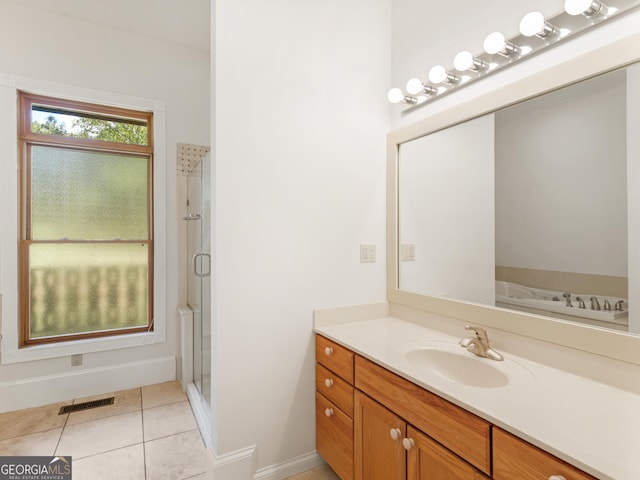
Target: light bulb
[532,24]
[395,95]
[496,43]
[437,74]
[415,86]
[463,61]
[585,7]
[466,61]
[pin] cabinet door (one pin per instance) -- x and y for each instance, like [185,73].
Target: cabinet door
[379,454]
[428,460]
[334,437]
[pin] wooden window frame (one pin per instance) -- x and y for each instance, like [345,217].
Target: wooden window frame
[26,139]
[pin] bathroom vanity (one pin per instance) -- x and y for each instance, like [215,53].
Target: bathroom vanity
[383,413]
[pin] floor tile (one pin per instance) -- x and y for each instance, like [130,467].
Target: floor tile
[125,401]
[162,394]
[323,472]
[167,420]
[38,444]
[177,457]
[124,463]
[103,435]
[31,420]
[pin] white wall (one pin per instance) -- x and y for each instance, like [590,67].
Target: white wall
[48,47]
[633,191]
[447,178]
[561,176]
[301,119]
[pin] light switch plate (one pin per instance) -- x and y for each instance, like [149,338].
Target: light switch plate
[367,254]
[408,252]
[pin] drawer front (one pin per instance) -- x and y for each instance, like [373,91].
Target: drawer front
[460,431]
[335,357]
[334,437]
[515,458]
[336,389]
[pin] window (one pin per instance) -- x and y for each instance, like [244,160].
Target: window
[86,225]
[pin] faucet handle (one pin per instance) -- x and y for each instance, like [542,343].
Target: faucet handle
[481,333]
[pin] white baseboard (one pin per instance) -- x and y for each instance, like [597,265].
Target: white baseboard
[61,387]
[241,465]
[238,465]
[289,468]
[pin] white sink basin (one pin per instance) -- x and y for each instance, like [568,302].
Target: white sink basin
[453,363]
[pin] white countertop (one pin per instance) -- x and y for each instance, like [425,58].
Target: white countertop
[590,424]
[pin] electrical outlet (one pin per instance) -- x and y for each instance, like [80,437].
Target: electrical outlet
[76,360]
[367,254]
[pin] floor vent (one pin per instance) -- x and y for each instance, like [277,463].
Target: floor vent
[77,407]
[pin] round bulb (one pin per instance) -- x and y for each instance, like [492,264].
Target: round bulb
[576,7]
[463,61]
[531,24]
[494,43]
[395,95]
[415,86]
[437,74]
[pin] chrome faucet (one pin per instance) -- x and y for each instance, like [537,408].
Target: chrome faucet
[567,296]
[580,302]
[595,304]
[479,344]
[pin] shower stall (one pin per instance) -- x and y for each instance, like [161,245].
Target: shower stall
[194,163]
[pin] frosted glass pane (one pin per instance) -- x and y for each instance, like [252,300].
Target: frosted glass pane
[79,288]
[87,195]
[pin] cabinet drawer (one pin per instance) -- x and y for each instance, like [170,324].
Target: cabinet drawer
[335,357]
[460,431]
[334,437]
[336,389]
[515,458]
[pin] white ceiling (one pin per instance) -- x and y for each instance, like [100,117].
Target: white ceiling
[182,22]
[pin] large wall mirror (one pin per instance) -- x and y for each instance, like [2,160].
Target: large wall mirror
[520,213]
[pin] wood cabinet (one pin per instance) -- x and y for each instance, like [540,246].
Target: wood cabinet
[334,406]
[515,458]
[379,453]
[460,431]
[372,424]
[428,460]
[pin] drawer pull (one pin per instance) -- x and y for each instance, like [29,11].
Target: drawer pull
[328,382]
[395,433]
[408,443]
[557,477]
[328,412]
[328,351]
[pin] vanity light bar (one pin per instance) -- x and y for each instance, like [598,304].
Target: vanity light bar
[536,34]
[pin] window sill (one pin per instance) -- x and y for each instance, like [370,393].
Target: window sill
[43,352]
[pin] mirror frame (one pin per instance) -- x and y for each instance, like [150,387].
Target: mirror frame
[609,343]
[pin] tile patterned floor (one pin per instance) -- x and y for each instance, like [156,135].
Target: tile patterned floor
[149,433]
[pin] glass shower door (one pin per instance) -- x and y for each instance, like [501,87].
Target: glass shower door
[199,276]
